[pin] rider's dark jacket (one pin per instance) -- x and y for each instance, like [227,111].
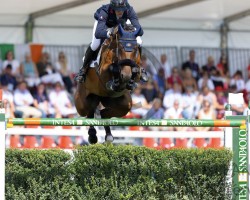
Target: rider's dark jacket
[107,19]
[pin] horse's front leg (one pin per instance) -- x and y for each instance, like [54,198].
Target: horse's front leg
[92,131]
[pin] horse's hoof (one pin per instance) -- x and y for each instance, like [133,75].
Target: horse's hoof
[92,136]
[109,138]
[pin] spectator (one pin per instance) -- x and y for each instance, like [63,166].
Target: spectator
[156,112]
[217,79]
[8,78]
[24,101]
[206,94]
[8,100]
[60,101]
[188,80]
[46,71]
[11,61]
[175,77]
[205,81]
[140,104]
[191,64]
[174,112]
[149,91]
[41,102]
[29,71]
[165,65]
[222,66]
[209,66]
[238,80]
[222,100]
[146,66]
[206,112]
[159,82]
[171,95]
[62,66]
[189,100]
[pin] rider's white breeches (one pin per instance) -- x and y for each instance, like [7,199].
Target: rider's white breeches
[96,42]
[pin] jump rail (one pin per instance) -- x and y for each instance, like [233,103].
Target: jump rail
[125,122]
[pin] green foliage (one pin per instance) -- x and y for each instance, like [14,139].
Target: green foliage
[117,172]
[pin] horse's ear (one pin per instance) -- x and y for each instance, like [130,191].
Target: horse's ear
[120,29]
[137,31]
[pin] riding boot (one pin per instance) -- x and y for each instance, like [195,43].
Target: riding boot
[81,76]
[144,76]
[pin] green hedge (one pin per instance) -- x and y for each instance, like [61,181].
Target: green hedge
[117,172]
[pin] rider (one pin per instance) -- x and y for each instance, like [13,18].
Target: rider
[107,17]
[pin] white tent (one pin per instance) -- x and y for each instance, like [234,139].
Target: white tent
[166,22]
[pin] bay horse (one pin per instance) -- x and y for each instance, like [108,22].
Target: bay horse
[118,66]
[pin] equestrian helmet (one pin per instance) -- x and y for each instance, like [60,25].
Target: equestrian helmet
[119,5]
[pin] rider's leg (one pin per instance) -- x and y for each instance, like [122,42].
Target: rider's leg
[90,54]
[144,76]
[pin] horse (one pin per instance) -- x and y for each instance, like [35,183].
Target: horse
[119,66]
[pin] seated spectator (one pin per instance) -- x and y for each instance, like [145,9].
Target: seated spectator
[8,100]
[156,112]
[11,61]
[149,91]
[174,112]
[238,80]
[209,66]
[24,101]
[8,78]
[205,81]
[189,100]
[208,95]
[192,65]
[217,79]
[140,105]
[46,72]
[171,95]
[165,65]
[147,67]
[222,101]
[29,71]
[188,80]
[60,101]
[62,67]
[159,82]
[174,77]
[222,66]
[207,111]
[41,102]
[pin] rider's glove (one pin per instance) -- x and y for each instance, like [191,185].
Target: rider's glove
[110,32]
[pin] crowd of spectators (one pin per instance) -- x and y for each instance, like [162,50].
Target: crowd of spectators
[45,89]
[189,91]
[42,89]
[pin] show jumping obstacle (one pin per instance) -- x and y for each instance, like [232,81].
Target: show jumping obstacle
[236,134]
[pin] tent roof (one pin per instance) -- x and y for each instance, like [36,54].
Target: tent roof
[209,14]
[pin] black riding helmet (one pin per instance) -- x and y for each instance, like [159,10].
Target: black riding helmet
[119,5]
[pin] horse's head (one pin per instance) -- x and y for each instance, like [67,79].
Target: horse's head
[125,56]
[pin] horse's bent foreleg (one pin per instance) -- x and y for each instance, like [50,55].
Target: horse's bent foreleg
[116,107]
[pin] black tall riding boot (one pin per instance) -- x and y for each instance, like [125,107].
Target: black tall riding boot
[81,76]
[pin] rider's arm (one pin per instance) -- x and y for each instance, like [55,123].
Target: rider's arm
[134,20]
[101,28]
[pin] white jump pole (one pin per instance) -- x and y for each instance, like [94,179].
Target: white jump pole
[2,148]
